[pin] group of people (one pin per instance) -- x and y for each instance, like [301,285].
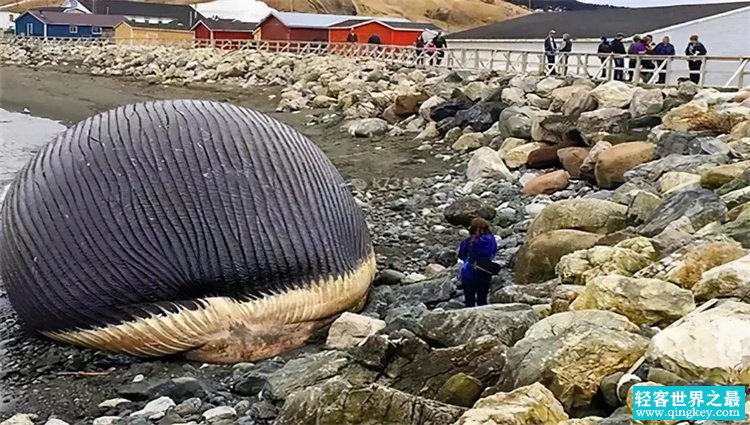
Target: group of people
[433,50]
[641,46]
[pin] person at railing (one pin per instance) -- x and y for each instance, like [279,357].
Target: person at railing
[636,49]
[419,47]
[604,50]
[550,50]
[375,42]
[648,43]
[695,48]
[618,48]
[352,37]
[567,47]
[665,48]
[431,51]
[440,44]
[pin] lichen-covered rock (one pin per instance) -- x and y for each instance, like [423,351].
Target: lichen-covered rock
[711,345]
[571,352]
[606,120]
[701,258]
[700,206]
[674,181]
[532,404]
[517,157]
[723,174]
[539,255]
[507,322]
[625,258]
[590,215]
[641,206]
[469,141]
[649,302]
[460,390]
[727,280]
[682,117]
[613,163]
[487,163]
[339,402]
[646,102]
[613,94]
[563,296]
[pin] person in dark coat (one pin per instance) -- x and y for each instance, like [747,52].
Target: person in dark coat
[419,47]
[440,45]
[375,42]
[604,50]
[352,37]
[665,48]
[565,49]
[550,50]
[618,48]
[480,245]
[695,48]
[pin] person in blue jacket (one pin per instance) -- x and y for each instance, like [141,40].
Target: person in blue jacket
[665,48]
[480,245]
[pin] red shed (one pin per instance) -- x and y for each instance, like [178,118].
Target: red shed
[223,29]
[394,33]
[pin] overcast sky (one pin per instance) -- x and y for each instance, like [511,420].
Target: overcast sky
[652,3]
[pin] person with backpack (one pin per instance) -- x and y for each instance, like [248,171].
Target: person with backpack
[477,252]
[604,51]
[440,46]
[694,49]
[618,49]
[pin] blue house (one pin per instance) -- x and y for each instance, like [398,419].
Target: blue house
[42,23]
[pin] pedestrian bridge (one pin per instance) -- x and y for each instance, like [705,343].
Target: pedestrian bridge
[730,72]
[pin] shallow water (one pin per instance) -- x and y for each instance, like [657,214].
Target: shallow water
[21,136]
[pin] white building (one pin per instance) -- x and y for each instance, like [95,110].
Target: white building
[6,20]
[723,28]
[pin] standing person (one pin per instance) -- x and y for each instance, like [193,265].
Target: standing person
[478,249]
[352,37]
[635,49]
[375,42]
[567,47]
[430,50]
[665,48]
[440,45]
[604,50]
[619,49]
[550,50]
[695,48]
[648,43]
[419,46]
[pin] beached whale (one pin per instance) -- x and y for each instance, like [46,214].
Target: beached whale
[182,227]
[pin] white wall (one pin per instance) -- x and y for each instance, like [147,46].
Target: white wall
[6,20]
[726,35]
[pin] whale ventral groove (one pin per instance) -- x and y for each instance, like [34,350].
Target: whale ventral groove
[153,208]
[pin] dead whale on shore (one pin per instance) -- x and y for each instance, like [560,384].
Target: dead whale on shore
[182,227]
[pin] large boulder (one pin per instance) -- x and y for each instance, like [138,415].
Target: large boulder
[540,254]
[488,164]
[739,229]
[572,160]
[607,120]
[613,163]
[337,401]
[652,171]
[649,302]
[479,117]
[678,142]
[709,346]
[425,110]
[470,141]
[530,405]
[589,215]
[699,258]
[408,104]
[646,102]
[561,95]
[718,176]
[513,96]
[613,94]
[728,280]
[624,259]
[463,210]
[517,157]
[579,102]
[351,329]
[547,184]
[700,206]
[507,322]
[571,352]
[550,127]
[448,109]
[682,118]
[516,122]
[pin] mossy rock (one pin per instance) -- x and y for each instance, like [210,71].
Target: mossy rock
[538,257]
[461,390]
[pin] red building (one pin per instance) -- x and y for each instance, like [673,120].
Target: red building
[223,29]
[393,33]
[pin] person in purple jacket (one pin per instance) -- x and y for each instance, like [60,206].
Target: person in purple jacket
[665,48]
[635,49]
[480,245]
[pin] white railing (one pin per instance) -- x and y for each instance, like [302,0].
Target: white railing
[715,71]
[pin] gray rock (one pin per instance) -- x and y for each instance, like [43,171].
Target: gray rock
[608,387]
[607,120]
[218,414]
[701,206]
[462,211]
[532,294]
[516,122]
[368,127]
[389,277]
[508,322]
[452,135]
[189,407]
[337,401]
[652,171]
[178,389]
[155,409]
[678,142]
[646,102]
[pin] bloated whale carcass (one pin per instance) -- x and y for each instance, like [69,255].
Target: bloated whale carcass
[182,227]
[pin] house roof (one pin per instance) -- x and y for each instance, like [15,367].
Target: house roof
[80,19]
[315,20]
[185,14]
[227,25]
[397,25]
[174,25]
[595,23]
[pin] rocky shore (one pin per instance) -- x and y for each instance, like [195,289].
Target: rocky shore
[623,221]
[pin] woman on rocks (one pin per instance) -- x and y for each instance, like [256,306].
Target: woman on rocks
[477,252]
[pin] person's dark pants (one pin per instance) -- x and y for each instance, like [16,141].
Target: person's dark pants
[551,64]
[475,291]
[646,76]
[440,55]
[619,69]
[420,57]
[695,71]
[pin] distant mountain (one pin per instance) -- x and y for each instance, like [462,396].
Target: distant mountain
[452,15]
[555,4]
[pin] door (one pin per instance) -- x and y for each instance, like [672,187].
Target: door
[30,29]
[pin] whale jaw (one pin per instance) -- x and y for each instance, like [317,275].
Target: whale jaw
[225,330]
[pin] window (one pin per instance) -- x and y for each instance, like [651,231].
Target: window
[73,29]
[96,30]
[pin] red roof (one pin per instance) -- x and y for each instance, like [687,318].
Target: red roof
[82,19]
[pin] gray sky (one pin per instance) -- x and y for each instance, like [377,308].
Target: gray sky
[653,3]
